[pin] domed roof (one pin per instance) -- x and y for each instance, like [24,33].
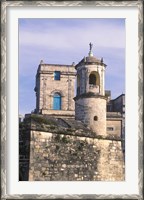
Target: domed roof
[90,59]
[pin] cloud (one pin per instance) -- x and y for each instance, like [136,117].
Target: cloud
[78,35]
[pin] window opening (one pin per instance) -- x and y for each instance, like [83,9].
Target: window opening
[92,79]
[57,75]
[95,118]
[57,101]
[110,128]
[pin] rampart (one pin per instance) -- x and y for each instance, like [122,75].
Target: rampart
[54,149]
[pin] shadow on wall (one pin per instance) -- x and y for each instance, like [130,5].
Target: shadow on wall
[24,152]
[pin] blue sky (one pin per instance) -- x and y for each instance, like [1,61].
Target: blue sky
[63,41]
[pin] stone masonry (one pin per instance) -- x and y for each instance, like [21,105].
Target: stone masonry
[71,137]
[63,150]
[47,86]
[87,112]
[90,100]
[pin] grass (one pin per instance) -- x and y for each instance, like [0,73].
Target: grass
[42,120]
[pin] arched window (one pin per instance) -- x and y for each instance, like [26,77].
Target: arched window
[92,79]
[95,118]
[57,101]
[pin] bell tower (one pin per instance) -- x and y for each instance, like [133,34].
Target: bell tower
[90,100]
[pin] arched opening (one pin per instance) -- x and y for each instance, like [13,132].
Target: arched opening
[94,78]
[95,118]
[57,101]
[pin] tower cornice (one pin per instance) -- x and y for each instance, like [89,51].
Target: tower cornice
[90,60]
[90,95]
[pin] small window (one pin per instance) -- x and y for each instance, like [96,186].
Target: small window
[110,128]
[57,75]
[95,118]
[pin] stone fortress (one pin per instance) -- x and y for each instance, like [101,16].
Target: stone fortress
[76,132]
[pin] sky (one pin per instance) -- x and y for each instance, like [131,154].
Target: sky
[64,41]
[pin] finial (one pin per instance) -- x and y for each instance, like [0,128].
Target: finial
[84,59]
[90,52]
[101,60]
[41,62]
[91,45]
[73,63]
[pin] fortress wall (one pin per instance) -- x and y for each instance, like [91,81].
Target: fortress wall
[24,150]
[60,157]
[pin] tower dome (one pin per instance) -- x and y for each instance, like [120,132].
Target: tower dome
[90,100]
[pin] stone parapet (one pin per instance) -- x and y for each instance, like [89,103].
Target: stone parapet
[58,113]
[56,149]
[59,157]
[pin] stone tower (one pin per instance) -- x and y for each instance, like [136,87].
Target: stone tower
[90,101]
[55,89]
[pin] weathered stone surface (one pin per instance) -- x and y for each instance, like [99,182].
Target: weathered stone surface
[61,148]
[68,152]
[47,86]
[73,158]
[92,111]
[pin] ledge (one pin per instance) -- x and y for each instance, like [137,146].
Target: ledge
[89,95]
[67,126]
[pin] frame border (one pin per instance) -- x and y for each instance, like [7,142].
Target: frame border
[4,5]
